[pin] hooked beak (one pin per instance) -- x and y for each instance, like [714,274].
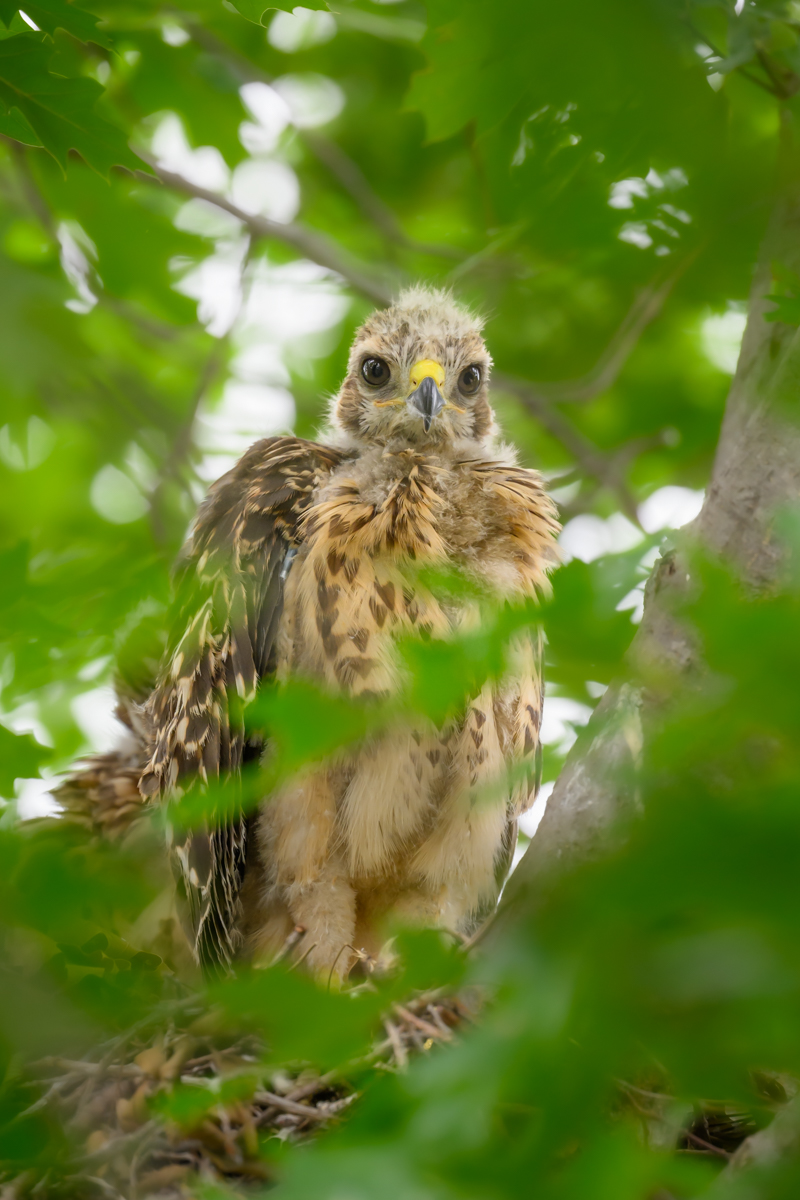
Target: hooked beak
[426,379]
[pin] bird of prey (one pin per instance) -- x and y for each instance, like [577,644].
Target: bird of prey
[304,561]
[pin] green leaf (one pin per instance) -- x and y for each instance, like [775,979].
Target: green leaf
[51,15]
[299,1018]
[14,126]
[787,309]
[187,1106]
[145,962]
[60,111]
[20,758]
[307,723]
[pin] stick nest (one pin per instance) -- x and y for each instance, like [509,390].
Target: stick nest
[125,1143]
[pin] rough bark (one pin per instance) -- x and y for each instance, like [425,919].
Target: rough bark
[756,473]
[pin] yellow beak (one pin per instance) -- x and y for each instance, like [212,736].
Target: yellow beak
[426,368]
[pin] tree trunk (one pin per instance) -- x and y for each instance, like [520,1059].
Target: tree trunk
[756,473]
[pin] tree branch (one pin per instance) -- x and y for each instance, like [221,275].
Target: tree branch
[331,155]
[756,472]
[308,242]
[606,469]
[644,310]
[354,181]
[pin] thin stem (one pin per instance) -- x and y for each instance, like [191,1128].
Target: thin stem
[742,70]
[644,310]
[182,442]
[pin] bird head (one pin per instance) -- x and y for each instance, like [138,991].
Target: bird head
[418,373]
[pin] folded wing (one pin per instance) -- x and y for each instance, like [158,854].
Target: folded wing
[229,606]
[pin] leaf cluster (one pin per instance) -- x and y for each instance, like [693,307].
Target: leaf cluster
[595,179]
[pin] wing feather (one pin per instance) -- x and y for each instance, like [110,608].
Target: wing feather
[229,603]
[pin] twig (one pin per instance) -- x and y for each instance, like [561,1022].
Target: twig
[315,1085]
[354,181]
[341,166]
[125,1141]
[447,1034]
[786,86]
[704,1145]
[273,1100]
[416,1038]
[297,934]
[162,1012]
[160,330]
[459,938]
[630,1087]
[308,242]
[333,1107]
[335,961]
[644,310]
[298,962]
[400,1052]
[741,69]
[182,442]
[44,1100]
[83,1067]
[424,1026]
[30,188]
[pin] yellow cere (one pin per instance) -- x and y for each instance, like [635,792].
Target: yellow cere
[424,368]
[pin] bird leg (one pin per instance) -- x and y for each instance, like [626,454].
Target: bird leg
[296,837]
[327,908]
[456,862]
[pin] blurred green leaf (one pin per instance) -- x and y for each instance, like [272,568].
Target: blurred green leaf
[299,1018]
[581,175]
[787,309]
[20,758]
[307,723]
[59,111]
[187,1106]
[50,15]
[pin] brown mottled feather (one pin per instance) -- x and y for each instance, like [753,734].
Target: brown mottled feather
[104,796]
[418,821]
[230,600]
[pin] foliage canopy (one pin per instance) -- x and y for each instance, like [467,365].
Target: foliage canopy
[199,202]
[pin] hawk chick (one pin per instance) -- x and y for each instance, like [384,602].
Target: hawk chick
[303,561]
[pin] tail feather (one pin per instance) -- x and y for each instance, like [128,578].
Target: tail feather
[104,795]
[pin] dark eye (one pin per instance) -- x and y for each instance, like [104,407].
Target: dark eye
[375,371]
[469,380]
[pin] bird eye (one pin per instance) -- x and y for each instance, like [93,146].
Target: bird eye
[375,371]
[469,380]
